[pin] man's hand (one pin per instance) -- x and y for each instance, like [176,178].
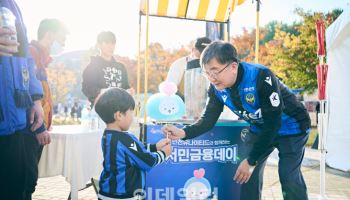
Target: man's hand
[243,173]
[36,116]
[43,138]
[7,46]
[173,133]
[162,143]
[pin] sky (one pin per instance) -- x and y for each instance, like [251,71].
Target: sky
[86,18]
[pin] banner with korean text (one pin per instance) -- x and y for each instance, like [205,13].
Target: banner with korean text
[200,168]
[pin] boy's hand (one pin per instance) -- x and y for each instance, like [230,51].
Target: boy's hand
[173,132]
[167,149]
[162,143]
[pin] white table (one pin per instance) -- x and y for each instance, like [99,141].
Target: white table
[73,153]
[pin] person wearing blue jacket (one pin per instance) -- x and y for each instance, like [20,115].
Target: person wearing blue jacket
[20,94]
[277,119]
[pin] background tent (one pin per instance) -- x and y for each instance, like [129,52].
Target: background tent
[338,92]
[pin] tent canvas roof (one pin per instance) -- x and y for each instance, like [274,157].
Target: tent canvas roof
[205,10]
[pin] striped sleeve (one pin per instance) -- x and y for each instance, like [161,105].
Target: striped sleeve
[160,156]
[151,147]
[141,157]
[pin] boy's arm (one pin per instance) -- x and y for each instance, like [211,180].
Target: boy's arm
[141,157]
[150,147]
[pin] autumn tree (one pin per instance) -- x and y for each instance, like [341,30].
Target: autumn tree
[245,43]
[159,61]
[61,81]
[294,57]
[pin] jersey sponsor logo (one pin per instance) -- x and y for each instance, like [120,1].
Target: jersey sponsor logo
[249,89]
[268,80]
[256,115]
[133,146]
[252,118]
[274,99]
[250,98]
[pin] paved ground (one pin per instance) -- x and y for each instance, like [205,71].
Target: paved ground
[337,183]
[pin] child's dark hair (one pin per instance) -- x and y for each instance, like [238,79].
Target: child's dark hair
[111,101]
[106,36]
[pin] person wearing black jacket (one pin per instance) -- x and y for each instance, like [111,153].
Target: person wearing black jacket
[277,119]
[104,71]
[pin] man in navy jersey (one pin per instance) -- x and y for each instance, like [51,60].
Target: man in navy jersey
[277,119]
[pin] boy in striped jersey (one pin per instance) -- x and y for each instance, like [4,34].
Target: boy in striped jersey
[126,159]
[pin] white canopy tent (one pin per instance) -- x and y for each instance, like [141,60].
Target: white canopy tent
[338,92]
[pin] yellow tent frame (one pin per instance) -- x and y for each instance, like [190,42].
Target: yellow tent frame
[217,11]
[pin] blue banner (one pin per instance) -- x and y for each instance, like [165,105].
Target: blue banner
[201,168]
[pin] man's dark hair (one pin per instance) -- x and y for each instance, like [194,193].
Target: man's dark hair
[51,25]
[201,43]
[106,36]
[223,52]
[111,101]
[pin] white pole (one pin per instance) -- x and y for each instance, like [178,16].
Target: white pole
[322,147]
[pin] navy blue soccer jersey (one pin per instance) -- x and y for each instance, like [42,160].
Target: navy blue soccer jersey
[126,160]
[262,100]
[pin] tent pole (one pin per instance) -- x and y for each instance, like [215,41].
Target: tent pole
[257,32]
[146,69]
[138,101]
[228,30]
[322,140]
[322,147]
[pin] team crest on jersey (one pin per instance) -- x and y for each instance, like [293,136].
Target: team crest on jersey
[250,98]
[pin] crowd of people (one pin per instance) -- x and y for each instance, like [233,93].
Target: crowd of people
[251,91]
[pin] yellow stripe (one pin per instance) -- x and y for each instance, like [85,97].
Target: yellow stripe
[182,8]
[162,7]
[234,3]
[202,10]
[221,12]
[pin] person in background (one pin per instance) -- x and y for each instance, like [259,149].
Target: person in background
[74,110]
[123,174]
[51,37]
[277,119]
[20,93]
[196,85]
[65,110]
[177,69]
[317,109]
[51,34]
[104,71]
